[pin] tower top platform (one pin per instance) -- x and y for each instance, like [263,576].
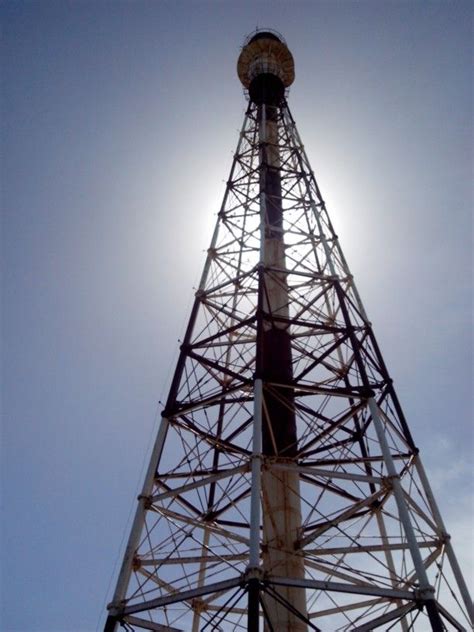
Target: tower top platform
[265,54]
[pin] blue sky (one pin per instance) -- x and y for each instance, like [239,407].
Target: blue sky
[119,119]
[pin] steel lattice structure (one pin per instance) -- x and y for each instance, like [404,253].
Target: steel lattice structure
[285,490]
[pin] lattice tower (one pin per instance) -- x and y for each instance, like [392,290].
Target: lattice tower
[285,491]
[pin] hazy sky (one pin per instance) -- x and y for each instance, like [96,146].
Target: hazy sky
[119,119]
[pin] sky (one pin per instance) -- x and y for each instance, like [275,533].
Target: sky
[118,124]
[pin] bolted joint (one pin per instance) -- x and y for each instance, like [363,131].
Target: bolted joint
[253,574]
[209,516]
[199,605]
[422,595]
[366,392]
[136,563]
[387,483]
[113,609]
[146,500]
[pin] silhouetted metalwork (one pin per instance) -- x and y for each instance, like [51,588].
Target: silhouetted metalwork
[285,491]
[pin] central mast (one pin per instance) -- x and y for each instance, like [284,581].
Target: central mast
[266,69]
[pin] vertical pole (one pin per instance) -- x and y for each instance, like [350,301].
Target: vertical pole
[448,546]
[254,554]
[256,468]
[426,590]
[137,527]
[389,558]
[253,620]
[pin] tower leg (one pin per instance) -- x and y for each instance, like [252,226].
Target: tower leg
[253,621]
[110,624]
